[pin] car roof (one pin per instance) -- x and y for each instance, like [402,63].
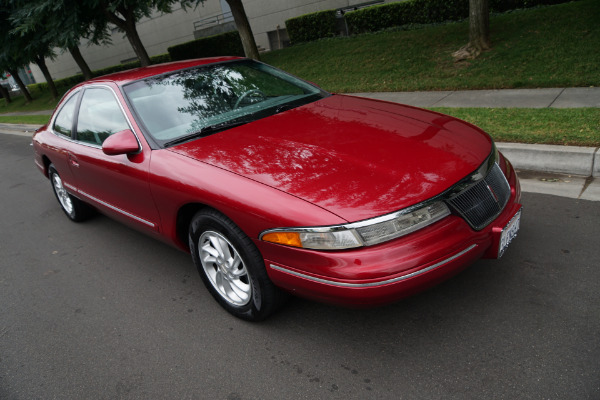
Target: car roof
[124,77]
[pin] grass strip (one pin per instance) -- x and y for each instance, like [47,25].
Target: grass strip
[25,119]
[41,102]
[561,126]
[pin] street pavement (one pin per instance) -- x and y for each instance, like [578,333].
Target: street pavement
[575,170]
[99,311]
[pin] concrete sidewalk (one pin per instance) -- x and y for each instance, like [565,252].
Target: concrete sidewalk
[504,98]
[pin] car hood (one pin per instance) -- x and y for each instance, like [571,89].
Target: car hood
[357,158]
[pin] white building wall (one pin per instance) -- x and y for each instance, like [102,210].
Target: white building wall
[164,30]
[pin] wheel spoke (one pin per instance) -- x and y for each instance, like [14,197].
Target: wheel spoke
[216,244]
[225,253]
[210,252]
[240,288]
[236,267]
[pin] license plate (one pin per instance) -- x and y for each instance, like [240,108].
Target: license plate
[509,233]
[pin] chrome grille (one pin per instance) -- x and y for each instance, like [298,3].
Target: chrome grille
[481,203]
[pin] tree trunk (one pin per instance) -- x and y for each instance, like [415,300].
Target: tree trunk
[127,25]
[5,93]
[137,45]
[85,69]
[479,31]
[21,85]
[243,27]
[479,24]
[39,60]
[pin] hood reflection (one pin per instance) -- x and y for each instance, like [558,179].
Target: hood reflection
[356,158]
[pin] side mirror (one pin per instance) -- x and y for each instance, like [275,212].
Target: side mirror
[123,142]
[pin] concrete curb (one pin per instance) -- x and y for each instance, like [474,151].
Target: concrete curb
[550,158]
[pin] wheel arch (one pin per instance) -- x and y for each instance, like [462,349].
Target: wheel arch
[46,162]
[183,220]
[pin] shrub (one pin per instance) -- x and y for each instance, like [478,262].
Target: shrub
[73,80]
[388,15]
[309,27]
[224,44]
[160,58]
[59,83]
[374,18]
[505,5]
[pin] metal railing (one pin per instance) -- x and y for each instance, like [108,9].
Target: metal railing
[341,11]
[215,20]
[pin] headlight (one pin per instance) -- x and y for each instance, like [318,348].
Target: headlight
[365,233]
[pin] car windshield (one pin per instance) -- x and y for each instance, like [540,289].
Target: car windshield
[195,102]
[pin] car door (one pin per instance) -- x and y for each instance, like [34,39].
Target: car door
[118,184]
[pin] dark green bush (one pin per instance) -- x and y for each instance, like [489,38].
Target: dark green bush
[160,58]
[73,80]
[375,18]
[371,19]
[225,44]
[309,27]
[505,5]
[59,83]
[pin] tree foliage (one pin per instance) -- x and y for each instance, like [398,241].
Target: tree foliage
[125,14]
[63,23]
[11,56]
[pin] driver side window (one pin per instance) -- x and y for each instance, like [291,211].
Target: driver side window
[99,116]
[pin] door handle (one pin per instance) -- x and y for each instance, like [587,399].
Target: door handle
[73,161]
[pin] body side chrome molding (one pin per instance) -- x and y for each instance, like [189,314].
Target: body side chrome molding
[379,283]
[143,221]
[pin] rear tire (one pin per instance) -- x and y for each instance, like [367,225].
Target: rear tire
[74,208]
[232,268]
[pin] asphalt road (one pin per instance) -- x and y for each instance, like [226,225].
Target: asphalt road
[96,310]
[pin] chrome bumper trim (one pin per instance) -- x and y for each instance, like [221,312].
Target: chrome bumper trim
[379,283]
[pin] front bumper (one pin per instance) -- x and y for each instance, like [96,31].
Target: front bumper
[393,270]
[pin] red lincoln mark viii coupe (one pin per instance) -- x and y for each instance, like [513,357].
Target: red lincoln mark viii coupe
[274,185]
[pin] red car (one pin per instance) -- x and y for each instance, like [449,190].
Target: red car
[275,186]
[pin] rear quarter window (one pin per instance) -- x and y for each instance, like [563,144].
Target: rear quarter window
[63,123]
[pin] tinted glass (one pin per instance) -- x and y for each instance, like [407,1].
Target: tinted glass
[99,116]
[181,104]
[63,123]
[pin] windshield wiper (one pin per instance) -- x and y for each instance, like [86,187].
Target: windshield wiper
[285,107]
[206,131]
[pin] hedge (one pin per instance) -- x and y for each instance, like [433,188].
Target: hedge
[375,18]
[309,27]
[75,79]
[224,44]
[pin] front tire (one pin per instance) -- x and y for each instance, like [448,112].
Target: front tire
[74,208]
[231,267]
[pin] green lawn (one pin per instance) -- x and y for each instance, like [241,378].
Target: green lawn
[25,119]
[572,126]
[41,102]
[554,46]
